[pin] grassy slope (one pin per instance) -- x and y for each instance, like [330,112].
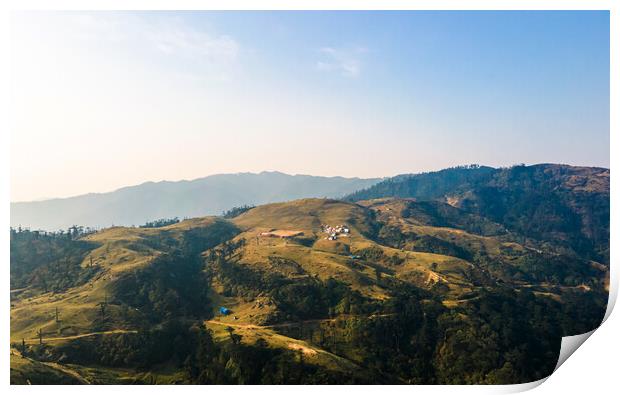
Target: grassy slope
[126,249]
[27,371]
[122,250]
[389,211]
[325,259]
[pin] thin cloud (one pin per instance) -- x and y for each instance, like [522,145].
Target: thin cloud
[346,62]
[164,35]
[178,39]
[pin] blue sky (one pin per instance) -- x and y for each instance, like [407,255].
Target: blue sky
[160,95]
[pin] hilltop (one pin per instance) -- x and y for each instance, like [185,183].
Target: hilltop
[385,290]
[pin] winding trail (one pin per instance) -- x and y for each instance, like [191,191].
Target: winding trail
[82,335]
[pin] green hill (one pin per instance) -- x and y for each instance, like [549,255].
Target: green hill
[316,290]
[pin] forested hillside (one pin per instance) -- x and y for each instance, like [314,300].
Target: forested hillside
[453,289]
[564,204]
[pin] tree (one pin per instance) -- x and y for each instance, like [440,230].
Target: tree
[236,339]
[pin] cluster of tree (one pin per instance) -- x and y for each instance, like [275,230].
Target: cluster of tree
[500,337]
[49,261]
[285,265]
[167,342]
[425,186]
[236,211]
[439,214]
[159,223]
[174,284]
[577,221]
[535,267]
[191,348]
[394,237]
[73,232]
[170,286]
[237,363]
[376,255]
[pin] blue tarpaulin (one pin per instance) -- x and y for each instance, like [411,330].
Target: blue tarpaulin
[224,310]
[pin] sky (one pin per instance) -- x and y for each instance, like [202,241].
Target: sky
[103,100]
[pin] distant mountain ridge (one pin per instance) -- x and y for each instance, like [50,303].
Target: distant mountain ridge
[135,205]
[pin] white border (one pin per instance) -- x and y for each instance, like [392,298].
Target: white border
[576,382]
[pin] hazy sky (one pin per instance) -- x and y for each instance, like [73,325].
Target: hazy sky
[107,99]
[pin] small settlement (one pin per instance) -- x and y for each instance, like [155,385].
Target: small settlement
[333,232]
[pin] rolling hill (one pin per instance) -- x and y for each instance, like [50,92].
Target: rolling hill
[210,195]
[382,290]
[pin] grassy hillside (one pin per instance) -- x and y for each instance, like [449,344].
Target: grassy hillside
[117,257]
[27,371]
[402,292]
